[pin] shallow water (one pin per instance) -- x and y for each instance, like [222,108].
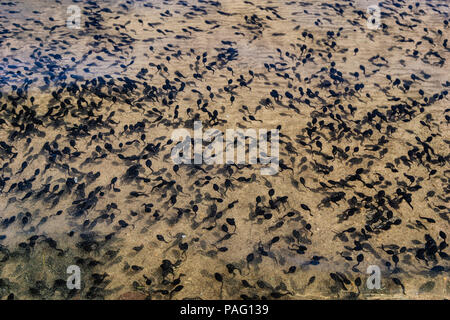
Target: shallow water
[52,92]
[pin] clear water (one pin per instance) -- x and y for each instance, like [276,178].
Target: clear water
[52,229]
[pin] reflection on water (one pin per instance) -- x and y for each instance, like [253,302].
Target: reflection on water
[87,177]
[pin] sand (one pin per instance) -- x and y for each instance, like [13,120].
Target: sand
[117,46]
